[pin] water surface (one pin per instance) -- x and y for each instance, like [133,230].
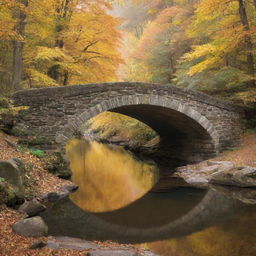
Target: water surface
[108,177]
[115,202]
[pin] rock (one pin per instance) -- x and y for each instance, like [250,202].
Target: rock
[149,253]
[31,208]
[64,174]
[38,245]
[226,163]
[244,176]
[196,175]
[65,191]
[217,172]
[53,196]
[113,253]
[13,172]
[70,243]
[31,227]
[245,195]
[69,188]
[50,197]
[56,164]
[7,194]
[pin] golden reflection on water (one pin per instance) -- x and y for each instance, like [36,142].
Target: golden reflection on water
[235,237]
[108,177]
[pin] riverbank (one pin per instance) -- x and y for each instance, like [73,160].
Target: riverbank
[245,154]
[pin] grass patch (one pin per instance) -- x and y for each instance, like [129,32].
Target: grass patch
[35,152]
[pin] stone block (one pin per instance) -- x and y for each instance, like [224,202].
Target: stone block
[31,227]
[13,172]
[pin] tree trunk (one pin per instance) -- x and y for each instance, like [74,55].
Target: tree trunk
[248,40]
[55,71]
[18,45]
[66,77]
[173,68]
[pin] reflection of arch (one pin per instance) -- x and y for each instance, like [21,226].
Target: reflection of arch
[211,210]
[75,123]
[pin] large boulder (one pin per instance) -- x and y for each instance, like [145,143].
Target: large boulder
[217,172]
[244,176]
[13,172]
[31,227]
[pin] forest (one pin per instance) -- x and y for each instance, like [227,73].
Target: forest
[207,45]
[163,163]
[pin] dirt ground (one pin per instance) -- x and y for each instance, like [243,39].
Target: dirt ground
[245,154]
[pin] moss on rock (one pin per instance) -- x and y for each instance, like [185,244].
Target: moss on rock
[8,195]
[56,164]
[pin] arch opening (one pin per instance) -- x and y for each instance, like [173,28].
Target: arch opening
[182,139]
[187,136]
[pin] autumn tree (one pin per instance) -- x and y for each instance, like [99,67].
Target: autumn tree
[18,44]
[222,55]
[10,39]
[163,39]
[247,38]
[60,42]
[207,45]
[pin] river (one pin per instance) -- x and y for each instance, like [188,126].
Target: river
[116,201]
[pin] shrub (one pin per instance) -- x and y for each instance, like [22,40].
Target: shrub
[4,102]
[36,152]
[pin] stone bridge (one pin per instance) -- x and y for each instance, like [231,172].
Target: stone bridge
[193,125]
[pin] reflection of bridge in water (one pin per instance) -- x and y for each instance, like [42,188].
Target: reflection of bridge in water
[65,219]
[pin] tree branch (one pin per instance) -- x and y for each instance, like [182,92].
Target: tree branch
[89,45]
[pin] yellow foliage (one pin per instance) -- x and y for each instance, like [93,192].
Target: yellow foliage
[248,96]
[48,54]
[200,51]
[7,22]
[89,36]
[220,22]
[40,79]
[206,64]
[125,128]
[92,40]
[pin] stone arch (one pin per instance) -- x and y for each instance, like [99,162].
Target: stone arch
[74,124]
